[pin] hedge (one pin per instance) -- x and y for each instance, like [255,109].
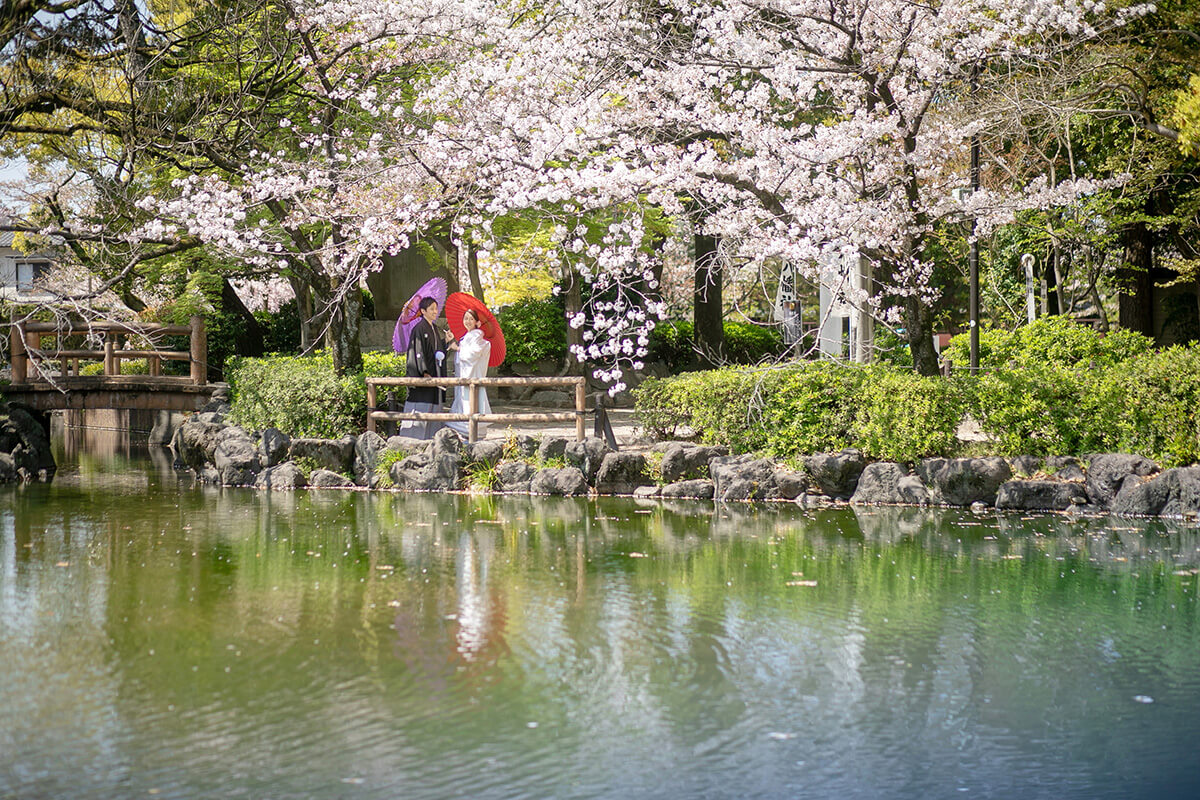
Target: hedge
[1074,401]
[301,395]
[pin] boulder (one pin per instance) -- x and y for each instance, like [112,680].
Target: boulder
[889,483]
[335,455]
[488,452]
[567,481]
[1106,474]
[407,445]
[551,448]
[1025,465]
[514,476]
[274,446]
[1173,493]
[281,477]
[328,479]
[25,445]
[195,442]
[836,474]
[587,456]
[527,446]
[647,492]
[367,448]
[427,472]
[964,481]
[701,489]
[236,458]
[682,461]
[1064,468]
[1033,495]
[789,484]
[742,478]
[621,473]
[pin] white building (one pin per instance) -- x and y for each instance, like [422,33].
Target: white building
[20,273]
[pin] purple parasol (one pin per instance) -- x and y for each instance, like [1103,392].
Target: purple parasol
[435,288]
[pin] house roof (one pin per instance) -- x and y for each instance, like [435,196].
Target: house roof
[6,238]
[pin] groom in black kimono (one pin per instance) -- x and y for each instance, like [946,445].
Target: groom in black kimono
[426,359]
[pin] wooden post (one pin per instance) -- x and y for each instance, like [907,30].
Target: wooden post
[199,352]
[580,407]
[33,341]
[20,361]
[109,355]
[472,409]
[372,391]
[154,366]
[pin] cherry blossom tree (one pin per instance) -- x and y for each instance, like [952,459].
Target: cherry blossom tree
[805,130]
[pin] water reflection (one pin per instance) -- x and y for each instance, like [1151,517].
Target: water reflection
[191,641]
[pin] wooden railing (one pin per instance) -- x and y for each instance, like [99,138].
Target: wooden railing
[473,417]
[30,356]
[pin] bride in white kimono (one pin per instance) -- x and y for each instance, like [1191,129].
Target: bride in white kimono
[471,361]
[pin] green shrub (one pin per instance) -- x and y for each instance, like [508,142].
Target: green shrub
[1117,398]
[129,366]
[671,342]
[1054,340]
[904,417]
[534,330]
[301,396]
[747,343]
[810,408]
[281,330]
[1153,406]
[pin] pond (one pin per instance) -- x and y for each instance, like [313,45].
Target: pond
[165,640]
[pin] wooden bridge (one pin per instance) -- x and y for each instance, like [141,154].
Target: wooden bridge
[48,375]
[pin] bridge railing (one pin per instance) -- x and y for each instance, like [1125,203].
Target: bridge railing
[31,357]
[473,417]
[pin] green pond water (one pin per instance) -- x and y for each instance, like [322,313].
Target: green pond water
[160,639]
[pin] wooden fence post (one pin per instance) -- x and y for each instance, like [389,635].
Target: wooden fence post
[199,352]
[472,410]
[371,395]
[20,361]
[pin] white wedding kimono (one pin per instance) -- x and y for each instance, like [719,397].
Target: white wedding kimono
[471,361]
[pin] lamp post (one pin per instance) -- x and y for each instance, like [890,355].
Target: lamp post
[973,257]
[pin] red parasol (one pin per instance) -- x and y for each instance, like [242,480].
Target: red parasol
[457,304]
[435,288]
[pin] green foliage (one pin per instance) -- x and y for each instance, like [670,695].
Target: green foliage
[671,342]
[816,407]
[747,343]
[1153,405]
[197,280]
[1080,400]
[903,416]
[129,366]
[281,330]
[1053,340]
[301,395]
[534,330]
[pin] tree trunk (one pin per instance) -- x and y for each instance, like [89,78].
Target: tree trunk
[918,322]
[342,334]
[1135,301]
[473,270]
[708,316]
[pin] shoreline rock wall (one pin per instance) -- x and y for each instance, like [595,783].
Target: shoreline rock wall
[1117,483]
[25,454]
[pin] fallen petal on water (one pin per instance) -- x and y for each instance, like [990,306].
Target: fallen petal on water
[779,737]
[1143,698]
